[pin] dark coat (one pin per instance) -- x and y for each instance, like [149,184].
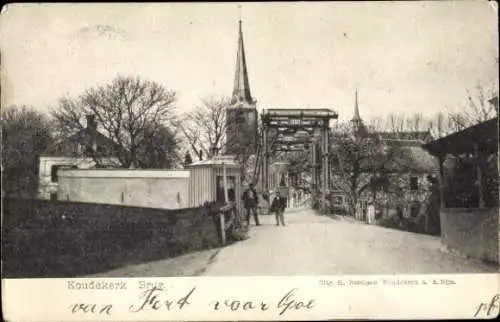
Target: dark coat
[247,202]
[279,203]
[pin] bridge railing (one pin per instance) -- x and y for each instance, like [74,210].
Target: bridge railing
[302,200]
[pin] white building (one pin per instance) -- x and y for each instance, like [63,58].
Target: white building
[84,150]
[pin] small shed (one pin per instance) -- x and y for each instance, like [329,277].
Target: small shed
[207,181]
[470,223]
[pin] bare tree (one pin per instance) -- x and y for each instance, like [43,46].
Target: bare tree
[160,148]
[439,125]
[477,110]
[204,128]
[415,122]
[399,125]
[359,158]
[395,123]
[26,133]
[130,111]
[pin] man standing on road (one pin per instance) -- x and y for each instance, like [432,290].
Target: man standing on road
[250,202]
[278,207]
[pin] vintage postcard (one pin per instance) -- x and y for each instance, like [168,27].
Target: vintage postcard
[250,161]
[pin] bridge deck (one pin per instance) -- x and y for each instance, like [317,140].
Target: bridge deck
[312,244]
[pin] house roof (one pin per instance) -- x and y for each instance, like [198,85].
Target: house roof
[408,157]
[64,146]
[422,160]
[409,136]
[217,161]
[483,135]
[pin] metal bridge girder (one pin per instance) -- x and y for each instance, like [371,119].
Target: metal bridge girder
[286,123]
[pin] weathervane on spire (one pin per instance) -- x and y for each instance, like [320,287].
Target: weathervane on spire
[239,16]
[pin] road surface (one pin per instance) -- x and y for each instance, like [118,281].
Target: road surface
[311,244]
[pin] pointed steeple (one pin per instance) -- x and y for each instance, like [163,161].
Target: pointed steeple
[241,117]
[356,117]
[241,89]
[356,121]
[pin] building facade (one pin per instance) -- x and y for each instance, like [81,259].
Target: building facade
[406,185]
[86,149]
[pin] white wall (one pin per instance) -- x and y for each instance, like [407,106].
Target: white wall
[168,189]
[45,185]
[472,231]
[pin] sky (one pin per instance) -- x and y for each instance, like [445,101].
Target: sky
[403,57]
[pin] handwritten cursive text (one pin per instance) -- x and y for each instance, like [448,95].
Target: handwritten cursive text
[151,299]
[488,308]
[288,303]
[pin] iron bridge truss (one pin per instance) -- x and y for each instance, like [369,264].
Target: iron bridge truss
[298,130]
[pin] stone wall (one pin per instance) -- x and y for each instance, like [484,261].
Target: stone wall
[168,189]
[472,232]
[66,239]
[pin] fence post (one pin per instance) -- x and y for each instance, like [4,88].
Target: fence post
[224,180]
[222,227]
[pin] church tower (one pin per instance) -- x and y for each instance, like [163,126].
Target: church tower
[241,116]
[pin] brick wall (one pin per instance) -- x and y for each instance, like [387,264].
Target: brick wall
[472,232]
[65,239]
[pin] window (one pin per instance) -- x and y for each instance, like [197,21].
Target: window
[53,173]
[413,183]
[414,209]
[53,196]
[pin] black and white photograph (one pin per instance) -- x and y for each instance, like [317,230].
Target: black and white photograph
[249,139]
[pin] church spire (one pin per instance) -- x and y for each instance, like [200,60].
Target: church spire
[356,117]
[357,123]
[241,89]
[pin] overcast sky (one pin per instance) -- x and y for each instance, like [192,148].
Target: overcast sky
[402,56]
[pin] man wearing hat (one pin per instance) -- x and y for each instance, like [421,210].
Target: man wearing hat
[278,207]
[250,202]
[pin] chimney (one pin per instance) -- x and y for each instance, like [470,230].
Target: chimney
[91,123]
[213,151]
[91,145]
